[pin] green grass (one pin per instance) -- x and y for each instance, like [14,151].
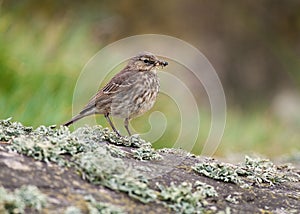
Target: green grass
[258,132]
[40,61]
[39,67]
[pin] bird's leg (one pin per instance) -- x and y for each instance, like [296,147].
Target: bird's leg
[111,124]
[126,126]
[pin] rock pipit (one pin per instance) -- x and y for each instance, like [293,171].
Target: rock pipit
[129,93]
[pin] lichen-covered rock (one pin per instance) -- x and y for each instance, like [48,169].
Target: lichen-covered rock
[92,170]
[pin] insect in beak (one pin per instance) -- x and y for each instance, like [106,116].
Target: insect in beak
[164,63]
[161,63]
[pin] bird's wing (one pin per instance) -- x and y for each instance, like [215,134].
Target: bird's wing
[119,81]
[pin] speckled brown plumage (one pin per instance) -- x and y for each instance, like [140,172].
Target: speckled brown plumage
[129,93]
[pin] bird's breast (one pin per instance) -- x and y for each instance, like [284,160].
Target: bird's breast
[137,99]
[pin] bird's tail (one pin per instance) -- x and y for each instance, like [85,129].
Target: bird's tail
[82,114]
[74,119]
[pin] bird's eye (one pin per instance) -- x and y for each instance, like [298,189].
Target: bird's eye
[147,61]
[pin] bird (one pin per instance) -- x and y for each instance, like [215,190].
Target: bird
[129,94]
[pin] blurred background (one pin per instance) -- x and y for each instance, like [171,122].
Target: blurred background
[253,46]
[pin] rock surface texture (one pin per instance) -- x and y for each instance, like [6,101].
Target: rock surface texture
[92,170]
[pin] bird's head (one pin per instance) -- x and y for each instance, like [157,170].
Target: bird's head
[146,62]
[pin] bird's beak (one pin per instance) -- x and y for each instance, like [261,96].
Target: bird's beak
[161,63]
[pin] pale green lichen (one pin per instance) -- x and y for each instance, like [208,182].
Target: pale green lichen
[232,199]
[261,171]
[205,189]
[252,171]
[98,162]
[9,130]
[146,153]
[99,167]
[24,197]
[73,210]
[88,153]
[96,207]
[226,211]
[115,151]
[184,198]
[135,187]
[176,151]
[218,171]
